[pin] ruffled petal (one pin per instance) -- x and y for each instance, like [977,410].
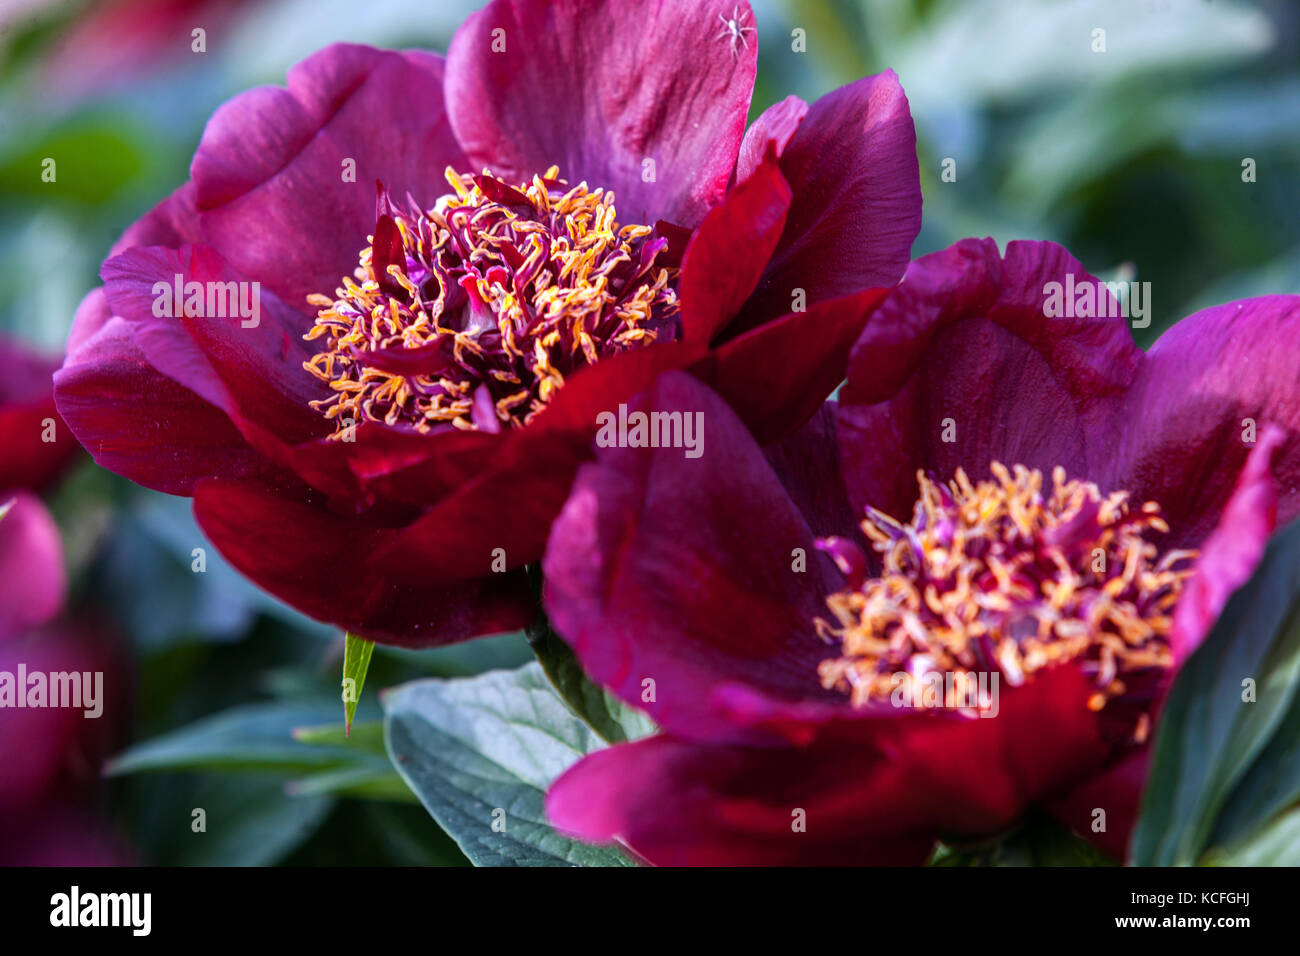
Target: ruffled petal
[328,566]
[269,173]
[856,210]
[248,362]
[601,89]
[141,424]
[961,366]
[1206,389]
[687,568]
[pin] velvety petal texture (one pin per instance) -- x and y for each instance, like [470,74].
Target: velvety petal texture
[648,100]
[322,562]
[284,179]
[967,363]
[856,206]
[960,367]
[652,573]
[1204,396]
[123,410]
[873,791]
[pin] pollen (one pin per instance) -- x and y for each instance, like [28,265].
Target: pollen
[474,312]
[1006,576]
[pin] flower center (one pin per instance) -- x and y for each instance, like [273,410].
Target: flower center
[1004,576]
[474,312]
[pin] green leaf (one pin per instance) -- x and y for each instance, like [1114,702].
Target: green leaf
[367,735]
[606,714]
[1213,757]
[1269,789]
[1278,844]
[356,661]
[250,737]
[362,781]
[481,751]
[249,821]
[1038,842]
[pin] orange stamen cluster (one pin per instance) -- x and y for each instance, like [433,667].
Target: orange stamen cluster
[1005,576]
[494,297]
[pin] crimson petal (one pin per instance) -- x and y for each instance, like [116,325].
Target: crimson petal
[269,173]
[728,252]
[652,572]
[852,166]
[960,367]
[598,89]
[327,565]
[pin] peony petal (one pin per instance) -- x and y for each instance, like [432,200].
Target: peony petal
[599,89]
[248,363]
[857,198]
[48,750]
[686,570]
[727,254]
[270,171]
[874,790]
[37,445]
[327,565]
[141,424]
[1229,556]
[960,367]
[521,481]
[807,464]
[682,804]
[777,375]
[773,129]
[31,565]
[1116,790]
[1180,436]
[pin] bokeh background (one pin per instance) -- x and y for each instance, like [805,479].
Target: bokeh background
[1132,158]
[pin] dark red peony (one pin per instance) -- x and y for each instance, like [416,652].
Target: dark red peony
[1053,521]
[378,400]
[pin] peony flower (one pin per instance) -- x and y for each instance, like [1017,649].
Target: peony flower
[51,754]
[36,442]
[997,495]
[568,205]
